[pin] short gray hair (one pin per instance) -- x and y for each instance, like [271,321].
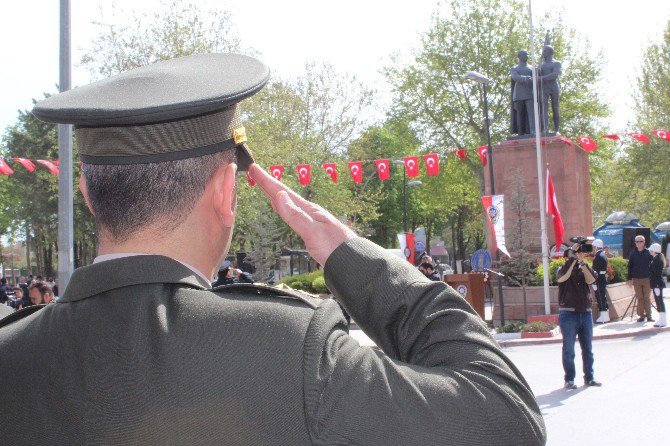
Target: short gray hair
[126,198]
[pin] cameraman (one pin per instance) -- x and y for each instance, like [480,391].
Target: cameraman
[574,317]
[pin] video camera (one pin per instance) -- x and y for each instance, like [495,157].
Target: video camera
[585,243]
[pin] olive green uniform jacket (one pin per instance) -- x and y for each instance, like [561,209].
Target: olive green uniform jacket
[140,351]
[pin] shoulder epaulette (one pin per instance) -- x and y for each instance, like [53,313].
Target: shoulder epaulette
[20,314]
[266,290]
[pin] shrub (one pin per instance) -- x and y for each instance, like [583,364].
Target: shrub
[512,327]
[319,285]
[538,326]
[553,267]
[620,266]
[304,281]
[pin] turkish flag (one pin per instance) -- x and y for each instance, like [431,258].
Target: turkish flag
[25,162]
[49,165]
[252,183]
[303,173]
[461,153]
[331,169]
[4,168]
[356,169]
[483,151]
[411,166]
[432,163]
[552,209]
[276,172]
[383,169]
[663,134]
[613,137]
[640,137]
[587,143]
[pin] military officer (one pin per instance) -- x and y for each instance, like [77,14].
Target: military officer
[140,350]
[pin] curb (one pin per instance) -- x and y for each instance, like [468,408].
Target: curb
[559,339]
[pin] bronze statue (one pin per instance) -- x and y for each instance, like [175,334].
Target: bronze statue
[522,119]
[550,88]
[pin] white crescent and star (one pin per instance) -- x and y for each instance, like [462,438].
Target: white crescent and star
[430,162]
[382,166]
[276,173]
[303,171]
[330,170]
[354,169]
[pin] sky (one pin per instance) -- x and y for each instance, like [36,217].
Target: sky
[354,36]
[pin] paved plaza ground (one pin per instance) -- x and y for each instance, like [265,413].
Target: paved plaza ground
[632,407]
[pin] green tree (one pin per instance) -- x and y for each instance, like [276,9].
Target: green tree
[178,28]
[644,167]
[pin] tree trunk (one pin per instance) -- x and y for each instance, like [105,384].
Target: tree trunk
[28,243]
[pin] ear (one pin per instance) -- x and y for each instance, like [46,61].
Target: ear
[84,191]
[225,194]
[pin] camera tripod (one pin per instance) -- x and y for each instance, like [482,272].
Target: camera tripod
[633,304]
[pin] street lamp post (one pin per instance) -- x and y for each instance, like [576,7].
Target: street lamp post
[405,185]
[484,81]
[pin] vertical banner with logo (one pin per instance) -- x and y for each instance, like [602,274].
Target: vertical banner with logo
[495,214]
[407,246]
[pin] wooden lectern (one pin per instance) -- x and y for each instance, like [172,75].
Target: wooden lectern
[471,287]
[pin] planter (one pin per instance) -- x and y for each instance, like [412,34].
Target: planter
[619,297]
[513,300]
[506,336]
[539,334]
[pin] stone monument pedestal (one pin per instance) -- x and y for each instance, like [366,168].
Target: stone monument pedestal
[569,169]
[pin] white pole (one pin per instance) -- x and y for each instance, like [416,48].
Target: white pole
[65,193]
[540,182]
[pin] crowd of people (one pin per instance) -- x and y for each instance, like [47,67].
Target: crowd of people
[28,292]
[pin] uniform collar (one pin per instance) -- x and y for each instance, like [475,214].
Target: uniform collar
[127,271]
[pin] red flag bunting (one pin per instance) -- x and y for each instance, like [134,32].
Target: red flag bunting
[383,169]
[4,168]
[461,153]
[304,172]
[483,152]
[49,165]
[640,137]
[613,137]
[587,143]
[663,134]
[25,162]
[277,171]
[356,169]
[552,209]
[411,166]
[432,163]
[331,169]
[252,183]
[565,140]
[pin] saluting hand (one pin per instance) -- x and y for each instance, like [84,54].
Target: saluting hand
[320,230]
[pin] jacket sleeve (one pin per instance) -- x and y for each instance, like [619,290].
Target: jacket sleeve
[442,379]
[565,271]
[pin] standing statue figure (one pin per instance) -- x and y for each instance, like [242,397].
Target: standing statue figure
[522,119]
[550,88]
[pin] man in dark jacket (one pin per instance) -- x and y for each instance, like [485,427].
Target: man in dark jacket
[638,277]
[574,317]
[600,263]
[428,270]
[141,350]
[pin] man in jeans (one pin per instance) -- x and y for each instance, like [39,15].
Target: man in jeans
[638,276]
[574,317]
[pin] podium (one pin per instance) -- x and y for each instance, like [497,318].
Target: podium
[471,287]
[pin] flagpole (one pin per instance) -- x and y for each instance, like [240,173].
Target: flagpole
[540,183]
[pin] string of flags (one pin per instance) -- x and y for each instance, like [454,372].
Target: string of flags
[5,169]
[431,161]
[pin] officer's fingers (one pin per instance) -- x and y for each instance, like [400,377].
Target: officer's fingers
[293,215]
[266,182]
